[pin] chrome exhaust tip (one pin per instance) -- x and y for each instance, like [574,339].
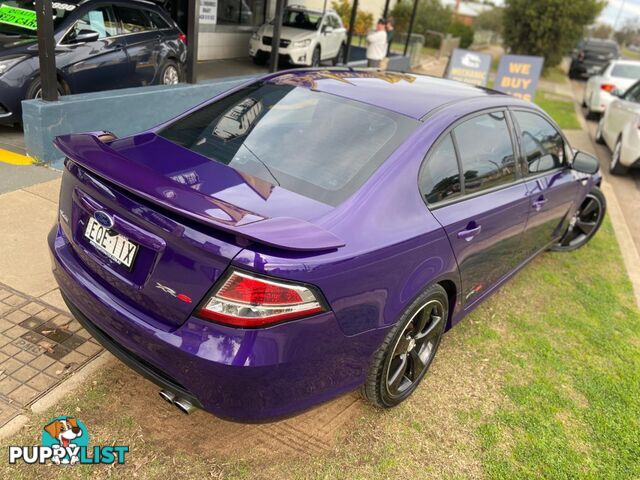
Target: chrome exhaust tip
[185,406]
[167,396]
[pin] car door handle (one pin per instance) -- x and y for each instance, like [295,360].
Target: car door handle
[539,203]
[470,232]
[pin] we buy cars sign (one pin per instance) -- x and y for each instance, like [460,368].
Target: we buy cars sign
[518,75]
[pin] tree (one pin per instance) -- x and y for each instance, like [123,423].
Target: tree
[602,30]
[489,20]
[431,15]
[547,28]
[465,32]
[629,33]
[364,20]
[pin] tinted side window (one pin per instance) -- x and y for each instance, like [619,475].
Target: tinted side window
[542,144]
[157,20]
[101,20]
[486,152]
[440,177]
[133,20]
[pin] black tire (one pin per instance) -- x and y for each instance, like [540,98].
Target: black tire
[416,337]
[259,59]
[35,89]
[315,57]
[587,222]
[615,167]
[339,57]
[599,138]
[170,73]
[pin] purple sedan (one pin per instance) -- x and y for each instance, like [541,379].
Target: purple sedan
[310,233]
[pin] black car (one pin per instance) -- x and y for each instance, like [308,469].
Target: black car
[591,55]
[100,45]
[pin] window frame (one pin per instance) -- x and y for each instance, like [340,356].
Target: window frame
[80,15]
[450,130]
[522,160]
[142,10]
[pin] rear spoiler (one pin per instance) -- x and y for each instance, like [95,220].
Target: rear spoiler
[88,151]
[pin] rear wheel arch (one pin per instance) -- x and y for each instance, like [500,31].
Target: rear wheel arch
[452,293]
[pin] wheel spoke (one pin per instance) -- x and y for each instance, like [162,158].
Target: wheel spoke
[431,330]
[589,208]
[398,374]
[420,321]
[417,365]
[586,227]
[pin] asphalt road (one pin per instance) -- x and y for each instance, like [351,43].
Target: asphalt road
[627,187]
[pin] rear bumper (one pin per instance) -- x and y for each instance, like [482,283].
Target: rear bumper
[249,375]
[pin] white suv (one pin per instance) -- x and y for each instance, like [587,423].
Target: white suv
[307,37]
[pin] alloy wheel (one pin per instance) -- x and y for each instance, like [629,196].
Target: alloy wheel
[170,76]
[585,223]
[414,349]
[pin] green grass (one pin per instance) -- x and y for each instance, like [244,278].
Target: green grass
[626,53]
[561,110]
[541,381]
[555,74]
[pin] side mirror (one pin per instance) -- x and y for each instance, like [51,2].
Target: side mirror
[85,36]
[585,163]
[327,29]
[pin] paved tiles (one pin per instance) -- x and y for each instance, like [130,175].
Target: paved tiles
[40,345]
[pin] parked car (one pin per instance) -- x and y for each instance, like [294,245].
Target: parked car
[591,55]
[619,129]
[100,45]
[615,75]
[307,37]
[324,242]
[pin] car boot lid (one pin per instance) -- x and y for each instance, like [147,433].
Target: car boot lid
[288,233]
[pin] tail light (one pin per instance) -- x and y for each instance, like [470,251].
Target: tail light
[608,87]
[182,37]
[244,300]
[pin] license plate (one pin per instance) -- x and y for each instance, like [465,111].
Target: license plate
[114,245]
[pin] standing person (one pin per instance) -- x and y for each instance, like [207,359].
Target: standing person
[377,44]
[390,33]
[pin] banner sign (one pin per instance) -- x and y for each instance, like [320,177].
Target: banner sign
[208,12]
[469,67]
[518,75]
[19,17]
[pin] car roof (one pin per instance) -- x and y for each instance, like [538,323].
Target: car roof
[599,43]
[409,94]
[625,61]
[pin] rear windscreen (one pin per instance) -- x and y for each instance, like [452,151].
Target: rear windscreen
[626,70]
[312,143]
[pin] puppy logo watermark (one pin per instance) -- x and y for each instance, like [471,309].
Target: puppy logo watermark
[65,441]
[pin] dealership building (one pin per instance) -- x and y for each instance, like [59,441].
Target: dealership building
[226,26]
